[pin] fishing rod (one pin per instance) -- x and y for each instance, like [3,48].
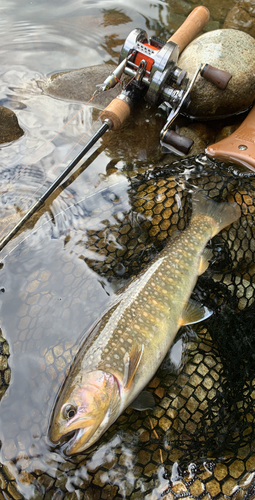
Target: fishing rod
[155,76]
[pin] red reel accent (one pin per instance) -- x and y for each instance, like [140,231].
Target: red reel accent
[139,57]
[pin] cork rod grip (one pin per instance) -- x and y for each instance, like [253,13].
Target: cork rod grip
[117,111]
[191,27]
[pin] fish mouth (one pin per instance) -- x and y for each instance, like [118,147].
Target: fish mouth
[79,440]
[58,434]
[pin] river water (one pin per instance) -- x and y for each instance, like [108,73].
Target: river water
[47,296]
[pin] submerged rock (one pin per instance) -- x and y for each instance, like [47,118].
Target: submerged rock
[242,17]
[80,85]
[229,50]
[9,126]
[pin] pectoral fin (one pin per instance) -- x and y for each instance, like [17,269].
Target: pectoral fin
[145,401]
[131,363]
[193,313]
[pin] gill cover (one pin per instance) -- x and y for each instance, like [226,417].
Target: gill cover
[83,407]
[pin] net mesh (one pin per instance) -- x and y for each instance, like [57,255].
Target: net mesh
[161,205]
[198,442]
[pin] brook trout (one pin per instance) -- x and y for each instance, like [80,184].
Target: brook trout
[126,346]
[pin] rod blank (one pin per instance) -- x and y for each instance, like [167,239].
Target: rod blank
[104,127]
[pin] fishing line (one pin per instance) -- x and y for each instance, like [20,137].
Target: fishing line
[32,196]
[117,183]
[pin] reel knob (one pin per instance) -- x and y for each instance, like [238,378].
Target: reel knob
[218,77]
[178,144]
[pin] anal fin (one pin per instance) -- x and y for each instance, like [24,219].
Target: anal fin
[193,313]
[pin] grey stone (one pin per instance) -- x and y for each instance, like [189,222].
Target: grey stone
[229,50]
[9,126]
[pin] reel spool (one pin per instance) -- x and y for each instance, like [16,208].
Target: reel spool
[156,60]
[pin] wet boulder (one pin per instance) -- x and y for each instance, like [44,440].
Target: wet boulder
[80,85]
[9,126]
[228,50]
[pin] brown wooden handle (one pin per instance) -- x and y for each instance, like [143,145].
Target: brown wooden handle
[194,23]
[239,147]
[218,77]
[179,142]
[117,111]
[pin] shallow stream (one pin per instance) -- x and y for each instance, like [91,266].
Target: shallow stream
[54,276]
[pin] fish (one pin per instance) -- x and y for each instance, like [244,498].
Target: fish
[125,347]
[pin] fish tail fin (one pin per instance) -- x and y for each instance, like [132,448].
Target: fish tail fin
[222,214]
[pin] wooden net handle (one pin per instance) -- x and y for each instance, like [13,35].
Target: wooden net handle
[239,147]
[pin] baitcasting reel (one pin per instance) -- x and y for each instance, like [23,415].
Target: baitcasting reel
[152,65]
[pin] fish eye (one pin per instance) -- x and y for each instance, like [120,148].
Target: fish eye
[69,411]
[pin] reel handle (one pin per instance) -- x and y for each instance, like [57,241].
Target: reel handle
[239,147]
[191,27]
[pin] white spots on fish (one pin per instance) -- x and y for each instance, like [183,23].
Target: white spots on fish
[136,326]
[155,302]
[161,314]
[192,239]
[145,314]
